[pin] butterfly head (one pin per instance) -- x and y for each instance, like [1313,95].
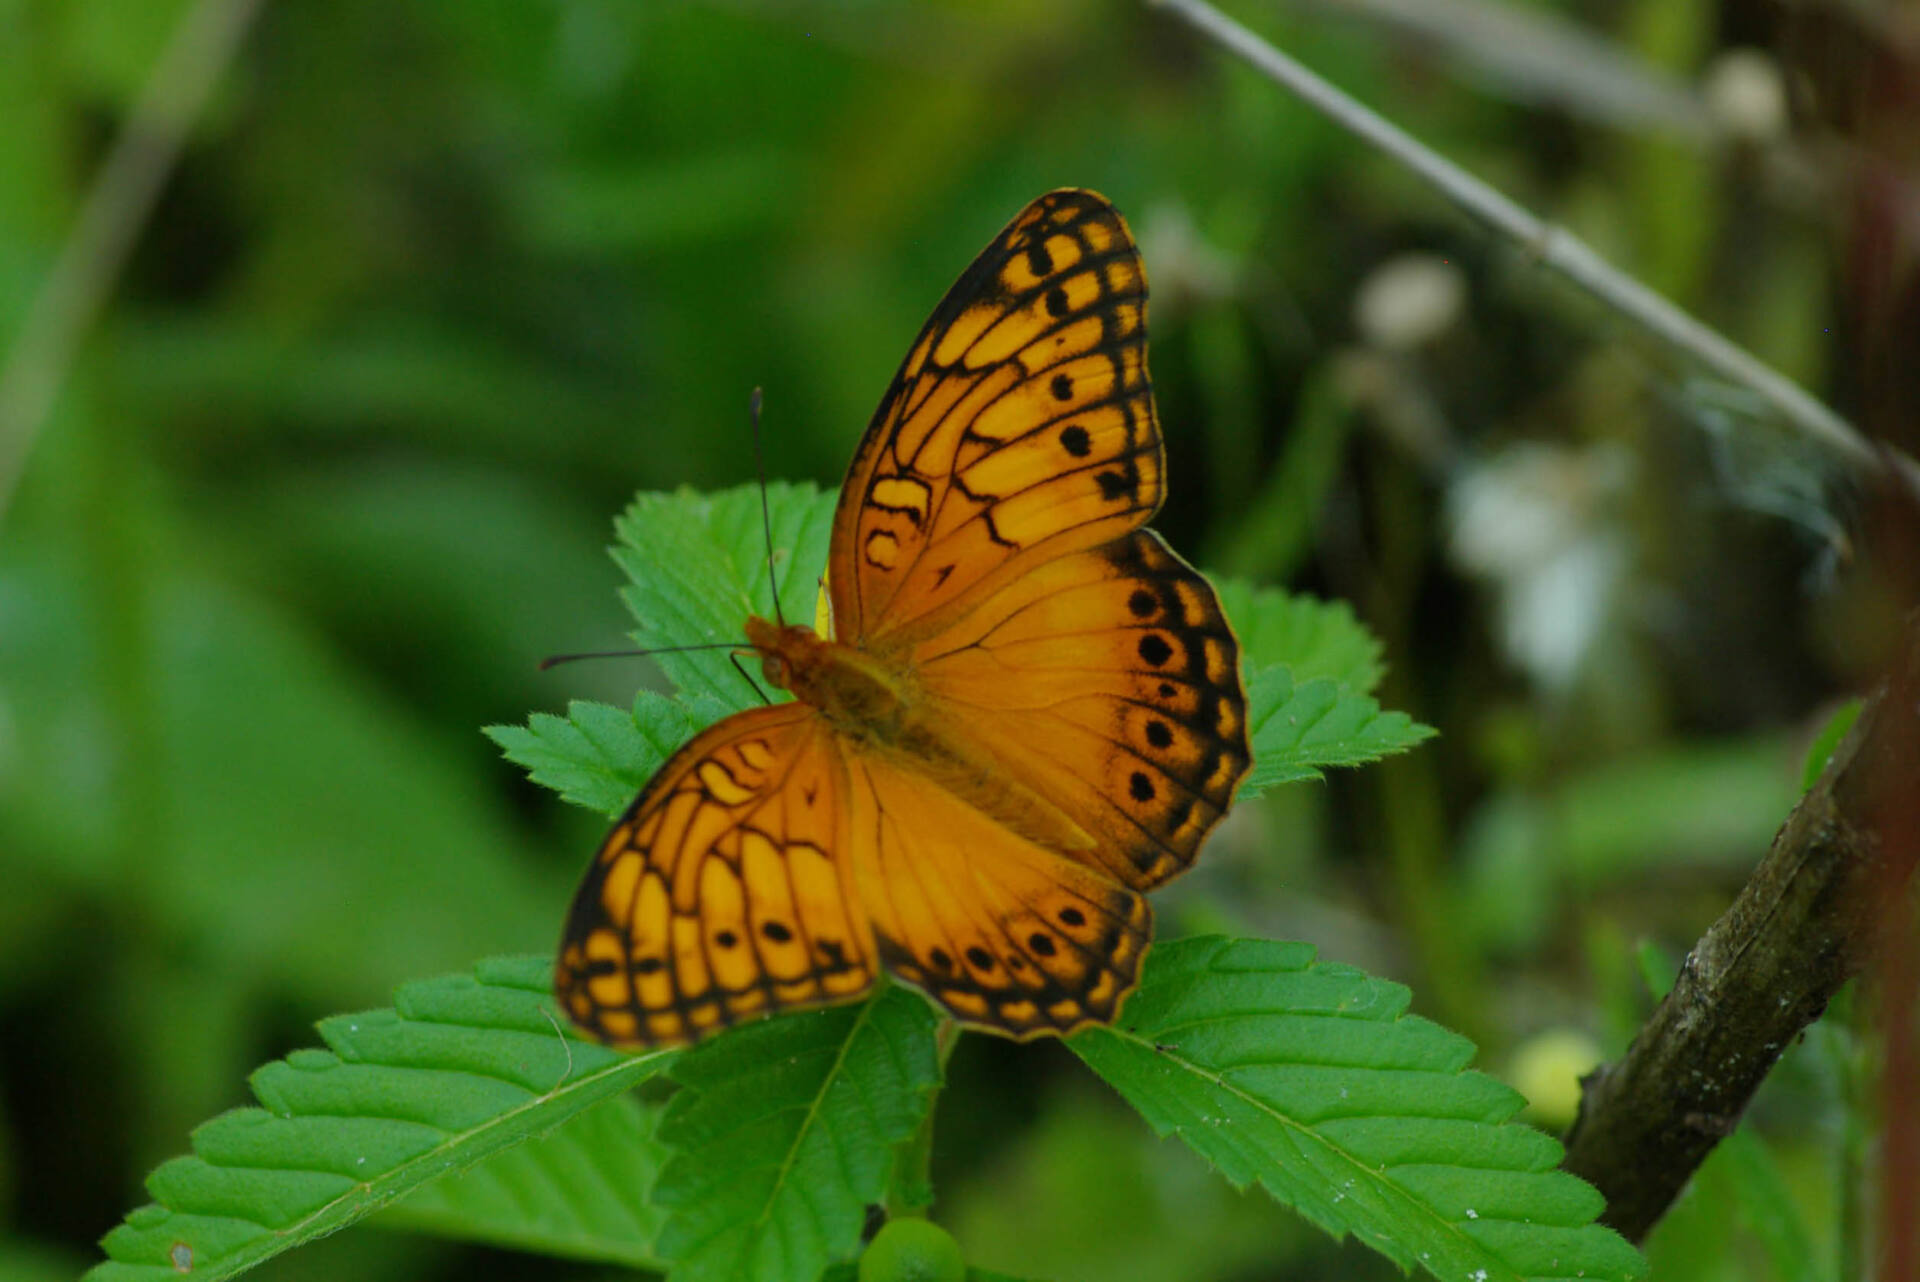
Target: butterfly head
[790,653]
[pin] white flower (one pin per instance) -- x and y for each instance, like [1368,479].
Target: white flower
[1745,95]
[1409,301]
[1534,522]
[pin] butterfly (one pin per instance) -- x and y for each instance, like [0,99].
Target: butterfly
[1027,714]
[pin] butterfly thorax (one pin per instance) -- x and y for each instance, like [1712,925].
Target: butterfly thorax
[877,702]
[859,693]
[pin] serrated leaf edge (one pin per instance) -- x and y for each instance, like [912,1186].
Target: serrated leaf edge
[1395,1248]
[827,1079]
[864,1020]
[572,1094]
[1300,1129]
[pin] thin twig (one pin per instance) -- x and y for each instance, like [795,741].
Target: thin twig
[1552,246]
[116,208]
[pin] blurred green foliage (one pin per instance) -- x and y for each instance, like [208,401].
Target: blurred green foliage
[435,289]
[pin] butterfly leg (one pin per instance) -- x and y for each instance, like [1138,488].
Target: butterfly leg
[734,659]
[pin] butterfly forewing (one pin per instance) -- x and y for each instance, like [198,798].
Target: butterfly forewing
[720,895]
[1020,427]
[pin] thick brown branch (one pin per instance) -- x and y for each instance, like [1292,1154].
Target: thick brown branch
[1810,918]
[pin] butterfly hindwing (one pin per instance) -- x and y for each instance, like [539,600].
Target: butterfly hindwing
[1005,934]
[720,894]
[1020,427]
[1109,682]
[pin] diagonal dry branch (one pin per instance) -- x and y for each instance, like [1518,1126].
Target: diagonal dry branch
[1818,910]
[1557,249]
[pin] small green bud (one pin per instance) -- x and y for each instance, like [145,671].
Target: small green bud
[913,1250]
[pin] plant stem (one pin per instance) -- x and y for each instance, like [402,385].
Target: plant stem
[1554,247]
[1822,907]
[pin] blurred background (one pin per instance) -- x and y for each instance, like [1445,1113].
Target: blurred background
[430,290]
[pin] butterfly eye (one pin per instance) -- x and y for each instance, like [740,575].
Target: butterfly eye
[774,667]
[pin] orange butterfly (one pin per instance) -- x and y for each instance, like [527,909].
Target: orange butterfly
[1028,713]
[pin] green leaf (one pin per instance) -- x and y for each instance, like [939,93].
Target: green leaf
[1309,666]
[580,1191]
[1712,802]
[458,1069]
[786,1131]
[1310,1079]
[698,567]
[1820,751]
[1766,1204]
[598,756]
[1657,968]
[1310,637]
[1299,728]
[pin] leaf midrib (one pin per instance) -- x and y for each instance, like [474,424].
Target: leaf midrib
[813,1111]
[1369,1172]
[381,1190]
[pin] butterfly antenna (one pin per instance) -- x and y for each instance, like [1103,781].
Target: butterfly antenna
[555,660]
[766,516]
